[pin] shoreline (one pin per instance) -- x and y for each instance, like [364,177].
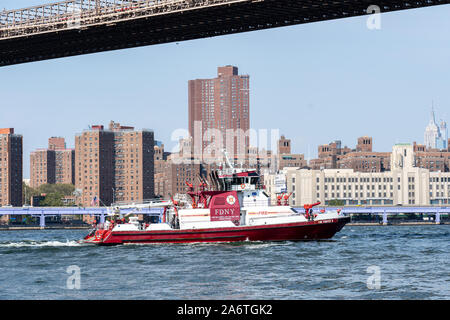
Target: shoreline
[40,228]
[412,223]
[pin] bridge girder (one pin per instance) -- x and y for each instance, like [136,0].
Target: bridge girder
[199,22]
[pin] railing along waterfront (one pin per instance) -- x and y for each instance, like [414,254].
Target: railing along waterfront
[383,213]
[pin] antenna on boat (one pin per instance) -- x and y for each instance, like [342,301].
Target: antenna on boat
[227,159]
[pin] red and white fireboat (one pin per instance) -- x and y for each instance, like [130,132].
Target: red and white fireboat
[234,209]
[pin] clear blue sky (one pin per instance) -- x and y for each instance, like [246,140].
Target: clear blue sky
[315,83]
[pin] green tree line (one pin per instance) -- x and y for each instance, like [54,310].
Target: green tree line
[53,194]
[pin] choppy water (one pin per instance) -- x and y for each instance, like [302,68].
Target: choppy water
[413,263]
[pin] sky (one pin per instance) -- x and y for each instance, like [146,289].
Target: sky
[315,83]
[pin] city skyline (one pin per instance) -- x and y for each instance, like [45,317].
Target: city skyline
[391,76]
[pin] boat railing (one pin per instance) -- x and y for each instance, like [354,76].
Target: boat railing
[149,203]
[273,216]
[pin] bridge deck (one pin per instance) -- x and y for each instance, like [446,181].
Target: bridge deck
[76,27]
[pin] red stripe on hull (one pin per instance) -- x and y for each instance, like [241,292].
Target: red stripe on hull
[314,230]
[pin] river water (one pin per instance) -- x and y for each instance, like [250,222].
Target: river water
[379,262]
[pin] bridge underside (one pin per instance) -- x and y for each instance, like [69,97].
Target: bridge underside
[188,25]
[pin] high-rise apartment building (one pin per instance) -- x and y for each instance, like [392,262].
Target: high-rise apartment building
[65,166]
[11,170]
[53,165]
[56,143]
[42,167]
[114,165]
[219,113]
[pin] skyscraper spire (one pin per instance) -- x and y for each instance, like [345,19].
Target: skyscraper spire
[433,117]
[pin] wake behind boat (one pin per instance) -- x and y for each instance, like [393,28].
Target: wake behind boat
[235,210]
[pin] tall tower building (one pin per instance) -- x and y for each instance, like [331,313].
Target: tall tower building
[114,165]
[11,170]
[431,132]
[94,166]
[219,111]
[53,165]
[42,167]
[56,143]
[436,137]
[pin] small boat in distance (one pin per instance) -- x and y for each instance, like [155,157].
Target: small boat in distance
[235,209]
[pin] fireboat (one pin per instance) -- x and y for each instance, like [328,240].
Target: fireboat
[231,208]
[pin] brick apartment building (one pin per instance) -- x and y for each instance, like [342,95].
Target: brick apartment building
[53,165]
[404,184]
[221,104]
[432,159]
[42,167]
[364,159]
[360,159]
[11,170]
[171,176]
[286,158]
[114,165]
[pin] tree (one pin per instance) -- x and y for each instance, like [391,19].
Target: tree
[27,193]
[52,200]
[64,189]
[53,194]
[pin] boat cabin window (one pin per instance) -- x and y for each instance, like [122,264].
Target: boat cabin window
[219,201]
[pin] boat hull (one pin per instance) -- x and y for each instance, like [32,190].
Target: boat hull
[310,230]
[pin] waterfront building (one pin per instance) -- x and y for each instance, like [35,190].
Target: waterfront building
[361,159]
[285,158]
[220,105]
[171,175]
[114,165]
[11,170]
[56,164]
[405,184]
[42,167]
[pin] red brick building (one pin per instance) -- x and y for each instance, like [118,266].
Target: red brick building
[56,143]
[221,104]
[114,165]
[11,170]
[286,158]
[53,165]
[42,167]
[362,158]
